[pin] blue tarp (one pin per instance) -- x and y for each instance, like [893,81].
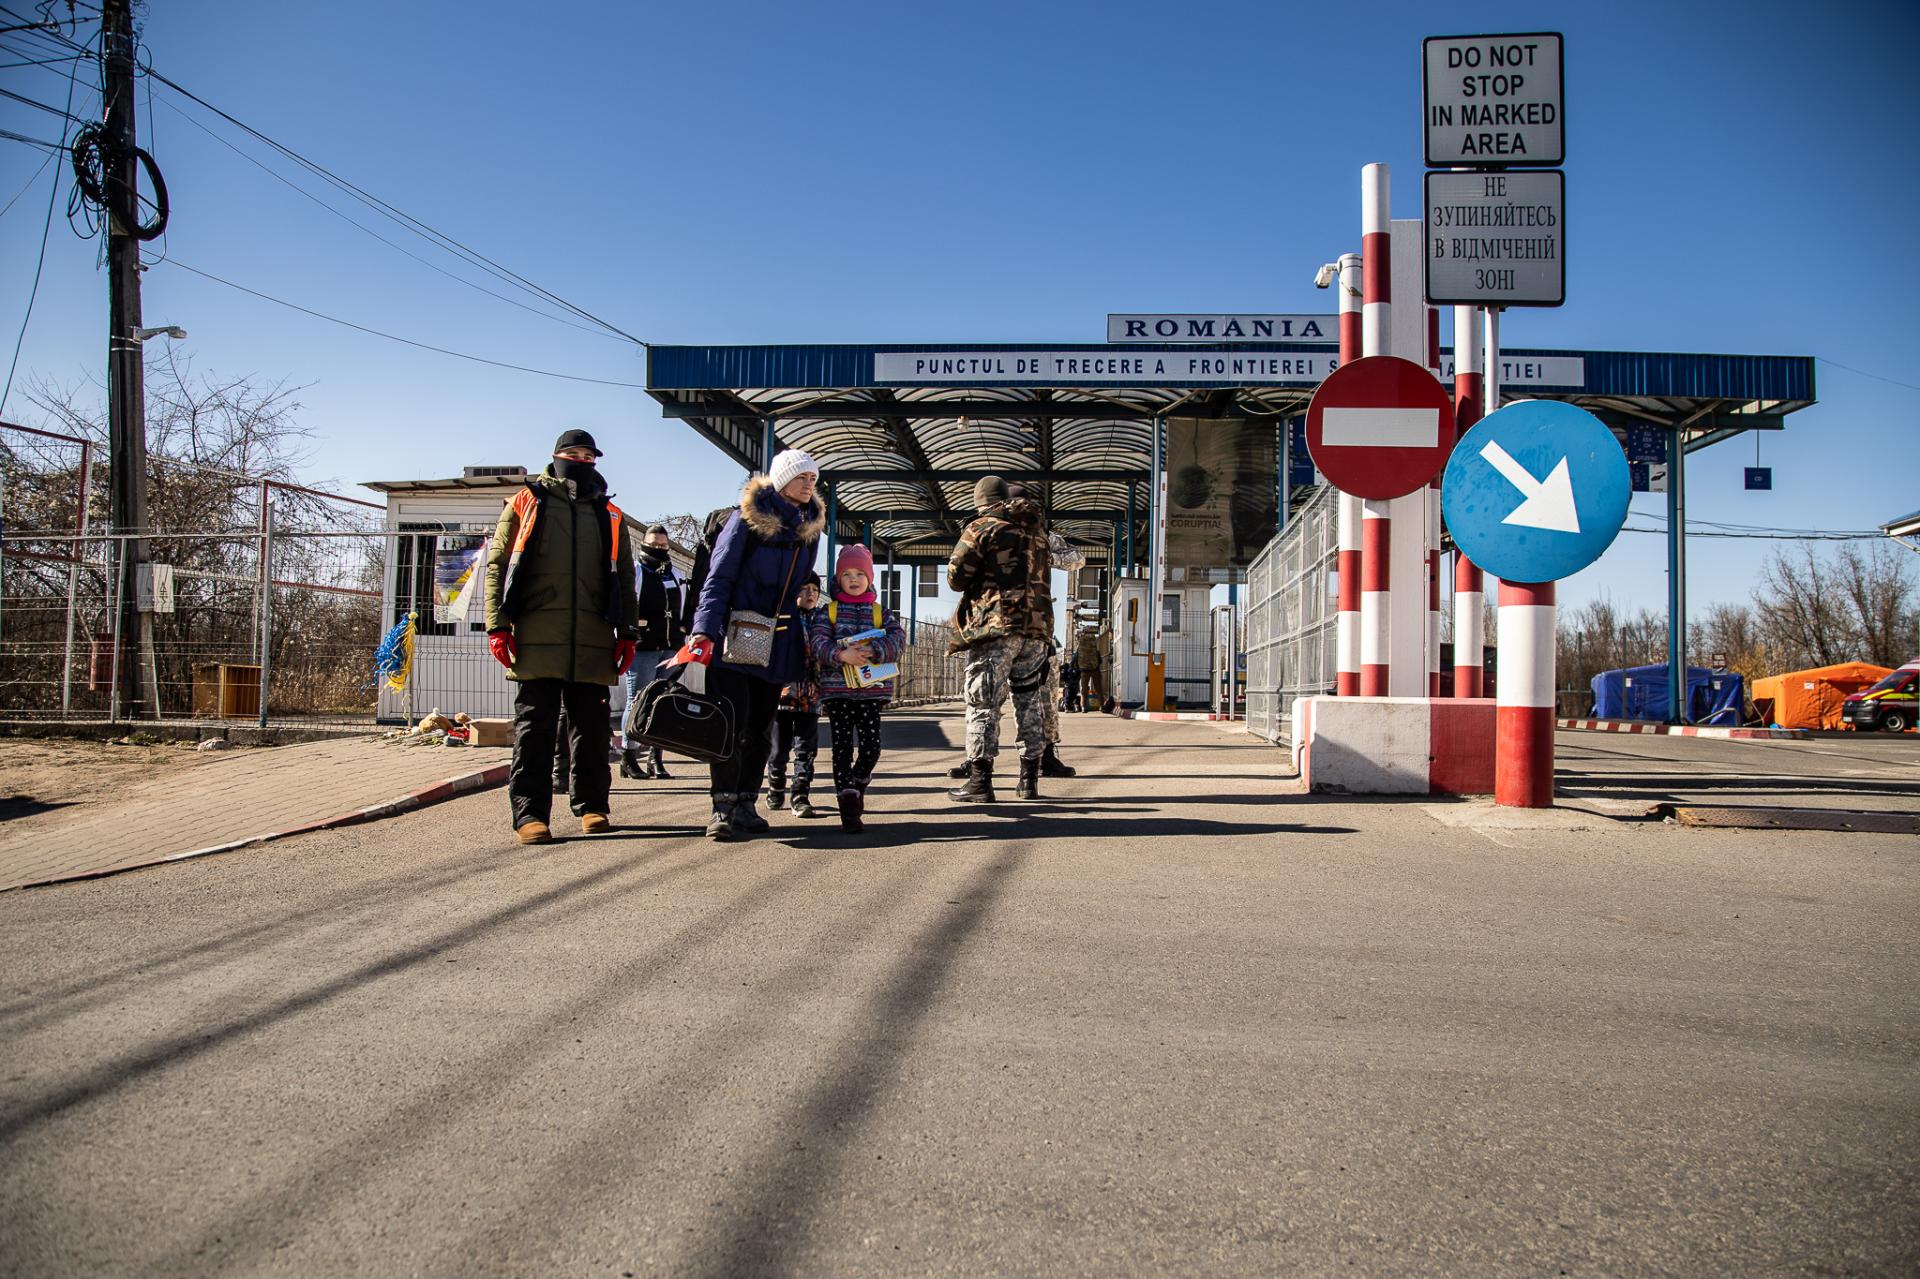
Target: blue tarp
[1640,692]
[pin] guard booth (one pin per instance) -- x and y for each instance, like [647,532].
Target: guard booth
[1170,463]
[438,531]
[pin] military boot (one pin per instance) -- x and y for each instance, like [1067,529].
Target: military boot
[958,771]
[1052,766]
[979,787]
[1028,786]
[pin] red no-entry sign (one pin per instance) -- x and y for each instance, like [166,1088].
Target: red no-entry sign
[1380,427]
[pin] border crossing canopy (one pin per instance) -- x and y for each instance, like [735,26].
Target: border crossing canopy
[902,430]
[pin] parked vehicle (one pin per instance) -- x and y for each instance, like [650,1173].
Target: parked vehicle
[1893,704]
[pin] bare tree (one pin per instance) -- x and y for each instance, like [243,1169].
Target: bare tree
[1880,599]
[211,442]
[1803,617]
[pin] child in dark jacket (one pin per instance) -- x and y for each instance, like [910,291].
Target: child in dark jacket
[796,723]
[856,636]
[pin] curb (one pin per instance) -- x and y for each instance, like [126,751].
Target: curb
[1196,717]
[1682,730]
[425,797]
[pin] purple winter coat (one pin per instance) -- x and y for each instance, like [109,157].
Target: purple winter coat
[767,542]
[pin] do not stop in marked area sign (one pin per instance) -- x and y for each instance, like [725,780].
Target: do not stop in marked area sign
[1536,491]
[1494,100]
[1380,427]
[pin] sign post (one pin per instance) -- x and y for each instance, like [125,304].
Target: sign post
[1533,493]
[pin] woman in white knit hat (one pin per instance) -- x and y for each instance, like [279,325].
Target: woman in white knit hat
[760,561]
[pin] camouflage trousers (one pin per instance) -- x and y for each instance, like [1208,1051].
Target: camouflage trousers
[1014,665]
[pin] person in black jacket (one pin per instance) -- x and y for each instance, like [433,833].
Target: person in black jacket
[663,611]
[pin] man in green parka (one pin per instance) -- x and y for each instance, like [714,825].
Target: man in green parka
[562,618]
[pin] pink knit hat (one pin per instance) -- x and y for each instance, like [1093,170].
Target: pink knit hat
[854,555]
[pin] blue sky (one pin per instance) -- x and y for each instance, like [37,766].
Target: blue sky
[1741,178]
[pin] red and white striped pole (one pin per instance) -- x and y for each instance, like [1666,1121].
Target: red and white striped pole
[1524,683]
[1523,713]
[1376,314]
[1469,584]
[1347,562]
[1433,524]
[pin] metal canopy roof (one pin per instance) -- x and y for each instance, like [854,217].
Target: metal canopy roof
[903,431]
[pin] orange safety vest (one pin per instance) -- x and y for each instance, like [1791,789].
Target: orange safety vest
[526,510]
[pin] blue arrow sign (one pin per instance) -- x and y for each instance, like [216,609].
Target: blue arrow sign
[1536,492]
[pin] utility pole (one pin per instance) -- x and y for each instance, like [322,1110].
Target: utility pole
[126,389]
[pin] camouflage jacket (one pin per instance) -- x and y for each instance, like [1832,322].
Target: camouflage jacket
[1003,573]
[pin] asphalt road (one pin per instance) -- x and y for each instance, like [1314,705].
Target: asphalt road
[1863,771]
[1175,1020]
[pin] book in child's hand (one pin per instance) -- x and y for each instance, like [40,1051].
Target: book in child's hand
[875,633]
[867,674]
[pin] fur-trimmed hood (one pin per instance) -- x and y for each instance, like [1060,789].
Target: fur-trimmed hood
[760,508]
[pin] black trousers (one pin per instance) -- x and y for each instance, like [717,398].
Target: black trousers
[536,716]
[795,733]
[856,739]
[753,702]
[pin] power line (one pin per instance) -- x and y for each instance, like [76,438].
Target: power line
[29,186]
[405,219]
[394,337]
[51,110]
[1863,373]
[432,266]
[33,294]
[11,136]
[1767,537]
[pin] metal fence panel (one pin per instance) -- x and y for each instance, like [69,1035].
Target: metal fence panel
[1292,611]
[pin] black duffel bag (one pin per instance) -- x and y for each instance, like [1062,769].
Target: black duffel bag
[673,717]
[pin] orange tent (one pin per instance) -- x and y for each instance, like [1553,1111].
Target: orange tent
[1811,699]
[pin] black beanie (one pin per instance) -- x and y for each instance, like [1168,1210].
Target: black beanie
[989,490]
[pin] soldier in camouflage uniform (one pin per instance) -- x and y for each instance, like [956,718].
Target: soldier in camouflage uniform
[1004,625]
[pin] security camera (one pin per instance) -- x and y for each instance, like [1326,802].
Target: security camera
[1326,275]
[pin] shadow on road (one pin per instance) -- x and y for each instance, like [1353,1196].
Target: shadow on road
[779,1198]
[177,1049]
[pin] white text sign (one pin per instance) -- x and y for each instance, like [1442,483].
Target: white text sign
[1496,239]
[1223,328]
[1494,100]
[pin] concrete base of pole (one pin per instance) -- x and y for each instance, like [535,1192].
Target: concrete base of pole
[1395,745]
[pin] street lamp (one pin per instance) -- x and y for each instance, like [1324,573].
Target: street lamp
[170,330]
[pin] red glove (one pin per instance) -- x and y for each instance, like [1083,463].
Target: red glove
[505,651]
[623,651]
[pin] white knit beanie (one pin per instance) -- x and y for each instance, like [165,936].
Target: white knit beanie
[789,464]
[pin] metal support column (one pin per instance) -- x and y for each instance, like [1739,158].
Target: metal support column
[769,444]
[1131,519]
[833,525]
[1677,577]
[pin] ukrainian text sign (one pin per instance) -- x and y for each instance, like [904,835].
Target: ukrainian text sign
[1496,239]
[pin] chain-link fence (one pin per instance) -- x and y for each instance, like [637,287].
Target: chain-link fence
[927,671]
[214,634]
[1292,609]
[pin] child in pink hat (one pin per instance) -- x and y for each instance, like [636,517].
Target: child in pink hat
[854,645]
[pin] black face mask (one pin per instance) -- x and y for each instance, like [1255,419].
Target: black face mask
[654,556]
[585,475]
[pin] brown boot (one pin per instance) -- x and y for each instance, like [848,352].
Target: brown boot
[533,833]
[594,824]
